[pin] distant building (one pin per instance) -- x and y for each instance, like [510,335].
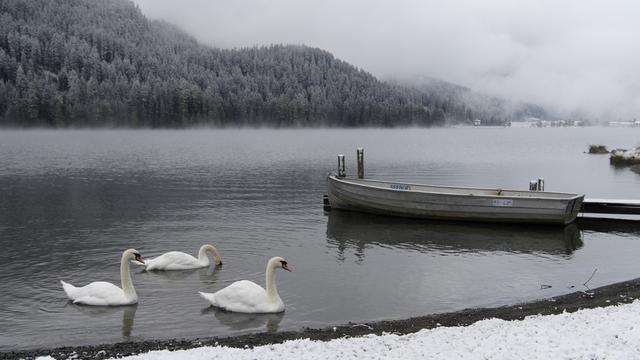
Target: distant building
[527,123]
[521,124]
[536,122]
[633,123]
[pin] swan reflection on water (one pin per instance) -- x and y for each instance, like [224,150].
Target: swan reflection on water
[359,231]
[97,312]
[245,321]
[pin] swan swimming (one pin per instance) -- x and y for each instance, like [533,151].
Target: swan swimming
[102,293]
[177,260]
[245,296]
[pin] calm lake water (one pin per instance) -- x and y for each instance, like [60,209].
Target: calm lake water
[72,201]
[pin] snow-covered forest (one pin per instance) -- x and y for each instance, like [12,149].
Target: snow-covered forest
[103,63]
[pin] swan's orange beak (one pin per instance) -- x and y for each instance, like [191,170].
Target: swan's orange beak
[284,266]
[139,258]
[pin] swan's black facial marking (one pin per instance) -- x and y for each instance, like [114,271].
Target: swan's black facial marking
[138,257]
[284,265]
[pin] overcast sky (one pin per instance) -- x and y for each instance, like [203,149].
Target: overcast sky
[569,55]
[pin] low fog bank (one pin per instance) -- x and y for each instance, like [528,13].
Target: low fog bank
[576,59]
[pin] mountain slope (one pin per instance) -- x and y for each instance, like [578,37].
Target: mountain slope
[457,99]
[101,62]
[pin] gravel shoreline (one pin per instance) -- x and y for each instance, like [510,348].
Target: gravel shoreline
[624,292]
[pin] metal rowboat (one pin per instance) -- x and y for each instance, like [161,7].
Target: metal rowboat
[452,203]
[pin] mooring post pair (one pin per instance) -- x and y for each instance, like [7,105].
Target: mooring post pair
[536,185]
[360,156]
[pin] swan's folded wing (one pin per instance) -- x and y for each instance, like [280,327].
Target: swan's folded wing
[241,296]
[173,260]
[183,261]
[99,293]
[90,300]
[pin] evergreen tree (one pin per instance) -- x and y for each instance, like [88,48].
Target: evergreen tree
[101,62]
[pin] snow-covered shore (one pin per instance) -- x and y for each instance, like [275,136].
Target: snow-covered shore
[625,157]
[611,332]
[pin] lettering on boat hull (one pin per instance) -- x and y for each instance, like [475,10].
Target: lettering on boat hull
[400,186]
[502,202]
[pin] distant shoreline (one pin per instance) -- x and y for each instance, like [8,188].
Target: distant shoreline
[619,293]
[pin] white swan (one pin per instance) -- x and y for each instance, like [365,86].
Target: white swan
[176,260]
[245,296]
[104,293]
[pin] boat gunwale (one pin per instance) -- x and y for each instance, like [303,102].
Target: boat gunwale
[354,182]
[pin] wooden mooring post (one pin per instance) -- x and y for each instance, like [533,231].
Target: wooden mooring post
[341,170]
[360,157]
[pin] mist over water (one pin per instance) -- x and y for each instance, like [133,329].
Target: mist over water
[72,201]
[577,59]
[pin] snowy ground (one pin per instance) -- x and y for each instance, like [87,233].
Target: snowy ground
[601,333]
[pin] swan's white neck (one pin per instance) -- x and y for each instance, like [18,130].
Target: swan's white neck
[202,255]
[270,283]
[125,278]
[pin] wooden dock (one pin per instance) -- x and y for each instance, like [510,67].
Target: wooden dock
[611,206]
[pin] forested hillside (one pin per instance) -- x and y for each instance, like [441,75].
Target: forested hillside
[489,109]
[102,63]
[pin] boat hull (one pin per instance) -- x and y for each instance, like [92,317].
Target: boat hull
[452,203]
